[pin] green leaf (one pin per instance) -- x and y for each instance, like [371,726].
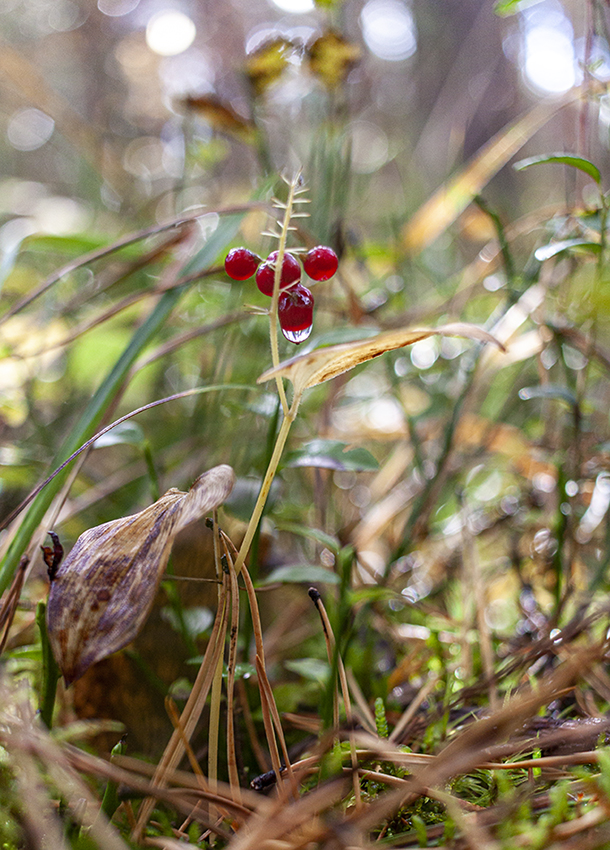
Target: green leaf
[545,252]
[564,158]
[243,670]
[243,498]
[505,8]
[73,244]
[333,454]
[372,593]
[197,620]
[309,668]
[313,534]
[300,574]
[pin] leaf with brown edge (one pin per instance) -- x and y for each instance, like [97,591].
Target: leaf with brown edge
[103,591]
[322,364]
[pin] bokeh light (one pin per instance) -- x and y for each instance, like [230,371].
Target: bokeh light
[549,58]
[170,32]
[296,7]
[29,129]
[116,8]
[389,29]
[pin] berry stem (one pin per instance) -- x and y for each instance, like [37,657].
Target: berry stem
[267,481]
[279,264]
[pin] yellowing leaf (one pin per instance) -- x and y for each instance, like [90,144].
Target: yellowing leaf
[307,370]
[103,591]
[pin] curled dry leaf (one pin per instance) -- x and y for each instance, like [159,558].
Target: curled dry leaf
[103,591]
[307,370]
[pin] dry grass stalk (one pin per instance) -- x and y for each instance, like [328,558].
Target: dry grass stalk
[192,711]
[264,685]
[231,665]
[331,649]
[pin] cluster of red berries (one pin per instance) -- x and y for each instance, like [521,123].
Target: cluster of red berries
[295,304]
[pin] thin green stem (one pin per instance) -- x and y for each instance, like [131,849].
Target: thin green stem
[267,482]
[275,354]
[50,670]
[110,800]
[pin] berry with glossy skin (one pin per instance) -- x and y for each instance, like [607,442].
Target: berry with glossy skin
[295,313]
[291,272]
[321,263]
[240,263]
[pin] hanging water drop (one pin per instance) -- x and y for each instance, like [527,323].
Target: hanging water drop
[297,336]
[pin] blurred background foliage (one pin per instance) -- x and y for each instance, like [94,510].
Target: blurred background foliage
[120,117]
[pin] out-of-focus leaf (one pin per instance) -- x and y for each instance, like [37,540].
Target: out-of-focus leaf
[197,620]
[444,206]
[301,574]
[73,244]
[103,591]
[321,365]
[309,668]
[371,593]
[333,454]
[549,391]
[331,58]
[313,534]
[504,8]
[245,493]
[243,670]
[267,63]
[565,159]
[127,433]
[545,252]
[221,117]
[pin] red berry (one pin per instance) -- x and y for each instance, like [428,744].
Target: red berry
[291,272]
[295,312]
[321,263]
[240,263]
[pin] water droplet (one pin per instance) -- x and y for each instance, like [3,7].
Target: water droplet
[298,335]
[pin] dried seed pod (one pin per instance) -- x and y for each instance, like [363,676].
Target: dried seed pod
[103,591]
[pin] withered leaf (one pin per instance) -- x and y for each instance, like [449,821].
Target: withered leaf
[103,591]
[322,364]
[221,117]
[52,556]
[331,58]
[267,63]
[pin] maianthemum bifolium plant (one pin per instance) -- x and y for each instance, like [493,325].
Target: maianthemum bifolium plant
[500,714]
[410,714]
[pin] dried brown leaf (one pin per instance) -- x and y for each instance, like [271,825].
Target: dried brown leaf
[103,591]
[308,370]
